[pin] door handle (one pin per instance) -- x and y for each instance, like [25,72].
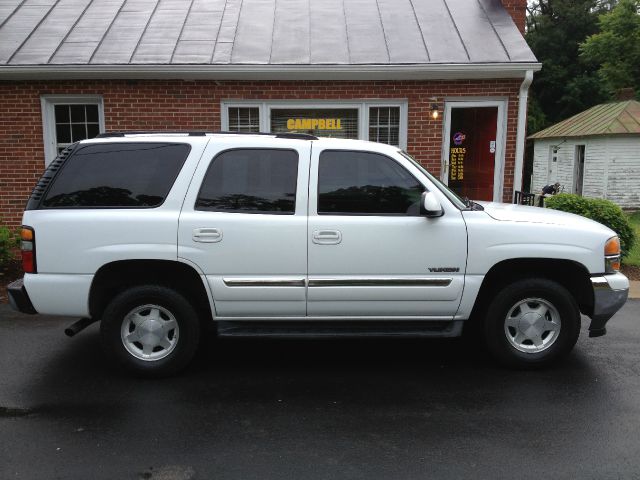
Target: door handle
[207,235]
[327,237]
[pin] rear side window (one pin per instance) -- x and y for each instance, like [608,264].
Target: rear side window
[112,175]
[251,181]
[364,183]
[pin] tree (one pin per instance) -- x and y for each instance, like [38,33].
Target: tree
[616,48]
[567,84]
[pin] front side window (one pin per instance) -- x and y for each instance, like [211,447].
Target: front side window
[251,181]
[117,175]
[363,183]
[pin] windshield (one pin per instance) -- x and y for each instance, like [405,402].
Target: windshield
[450,194]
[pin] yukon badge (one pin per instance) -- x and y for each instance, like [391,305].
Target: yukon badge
[444,269]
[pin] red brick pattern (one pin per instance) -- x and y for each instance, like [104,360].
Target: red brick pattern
[178,105]
[518,11]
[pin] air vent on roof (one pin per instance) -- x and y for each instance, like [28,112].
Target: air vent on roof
[47,177]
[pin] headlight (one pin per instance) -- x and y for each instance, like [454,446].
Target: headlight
[612,255]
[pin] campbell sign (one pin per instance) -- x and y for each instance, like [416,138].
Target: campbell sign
[314,124]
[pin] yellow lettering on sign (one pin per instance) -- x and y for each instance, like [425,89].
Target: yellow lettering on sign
[314,124]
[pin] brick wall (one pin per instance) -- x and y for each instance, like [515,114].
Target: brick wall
[176,104]
[518,11]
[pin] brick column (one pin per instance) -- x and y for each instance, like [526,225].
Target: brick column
[518,11]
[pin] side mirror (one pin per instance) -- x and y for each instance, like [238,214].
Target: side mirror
[430,206]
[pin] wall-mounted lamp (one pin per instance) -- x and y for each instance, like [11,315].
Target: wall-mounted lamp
[434,108]
[434,111]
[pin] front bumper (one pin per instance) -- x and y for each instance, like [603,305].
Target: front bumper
[609,294]
[19,298]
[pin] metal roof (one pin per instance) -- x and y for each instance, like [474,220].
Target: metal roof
[59,33]
[620,118]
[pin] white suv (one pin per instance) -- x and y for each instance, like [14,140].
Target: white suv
[291,235]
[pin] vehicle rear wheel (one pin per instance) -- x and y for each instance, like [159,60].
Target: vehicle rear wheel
[151,330]
[531,323]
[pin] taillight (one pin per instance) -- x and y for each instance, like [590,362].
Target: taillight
[28,247]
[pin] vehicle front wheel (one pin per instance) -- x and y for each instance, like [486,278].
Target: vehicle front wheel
[531,323]
[151,330]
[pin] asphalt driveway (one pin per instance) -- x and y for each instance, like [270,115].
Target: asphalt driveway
[325,409]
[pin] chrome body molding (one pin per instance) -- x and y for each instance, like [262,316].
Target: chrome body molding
[379,282]
[335,282]
[264,281]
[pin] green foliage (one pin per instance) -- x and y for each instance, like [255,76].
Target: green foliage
[600,210]
[634,254]
[567,84]
[9,242]
[616,48]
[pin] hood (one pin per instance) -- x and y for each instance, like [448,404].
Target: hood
[521,213]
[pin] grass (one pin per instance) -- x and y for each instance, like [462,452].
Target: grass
[634,256]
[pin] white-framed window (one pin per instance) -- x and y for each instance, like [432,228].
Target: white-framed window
[382,121]
[244,119]
[67,119]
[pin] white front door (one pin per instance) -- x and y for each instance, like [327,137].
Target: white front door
[370,253]
[244,225]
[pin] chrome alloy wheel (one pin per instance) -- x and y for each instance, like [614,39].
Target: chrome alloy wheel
[532,325]
[149,332]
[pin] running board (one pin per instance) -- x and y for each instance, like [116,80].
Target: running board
[332,329]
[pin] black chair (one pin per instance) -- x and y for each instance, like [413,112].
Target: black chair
[524,198]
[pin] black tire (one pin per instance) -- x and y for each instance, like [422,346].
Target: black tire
[501,336]
[164,304]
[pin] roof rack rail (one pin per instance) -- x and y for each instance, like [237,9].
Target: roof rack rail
[292,135]
[122,133]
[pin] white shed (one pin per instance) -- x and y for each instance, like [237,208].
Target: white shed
[595,154]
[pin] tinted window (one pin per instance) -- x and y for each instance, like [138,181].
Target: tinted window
[117,175]
[361,183]
[251,181]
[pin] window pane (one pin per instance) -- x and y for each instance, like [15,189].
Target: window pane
[384,125]
[360,183]
[117,175]
[327,122]
[244,119]
[77,113]
[78,131]
[62,114]
[251,181]
[93,130]
[63,133]
[92,113]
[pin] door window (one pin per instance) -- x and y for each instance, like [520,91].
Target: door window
[251,181]
[363,183]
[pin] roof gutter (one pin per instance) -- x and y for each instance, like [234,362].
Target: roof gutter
[522,129]
[440,71]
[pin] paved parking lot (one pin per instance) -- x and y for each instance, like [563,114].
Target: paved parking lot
[260,409]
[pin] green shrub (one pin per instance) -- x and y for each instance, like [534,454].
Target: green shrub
[9,242]
[600,210]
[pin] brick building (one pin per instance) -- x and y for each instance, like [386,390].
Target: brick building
[447,80]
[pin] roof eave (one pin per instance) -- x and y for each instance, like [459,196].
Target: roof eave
[535,136]
[440,71]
